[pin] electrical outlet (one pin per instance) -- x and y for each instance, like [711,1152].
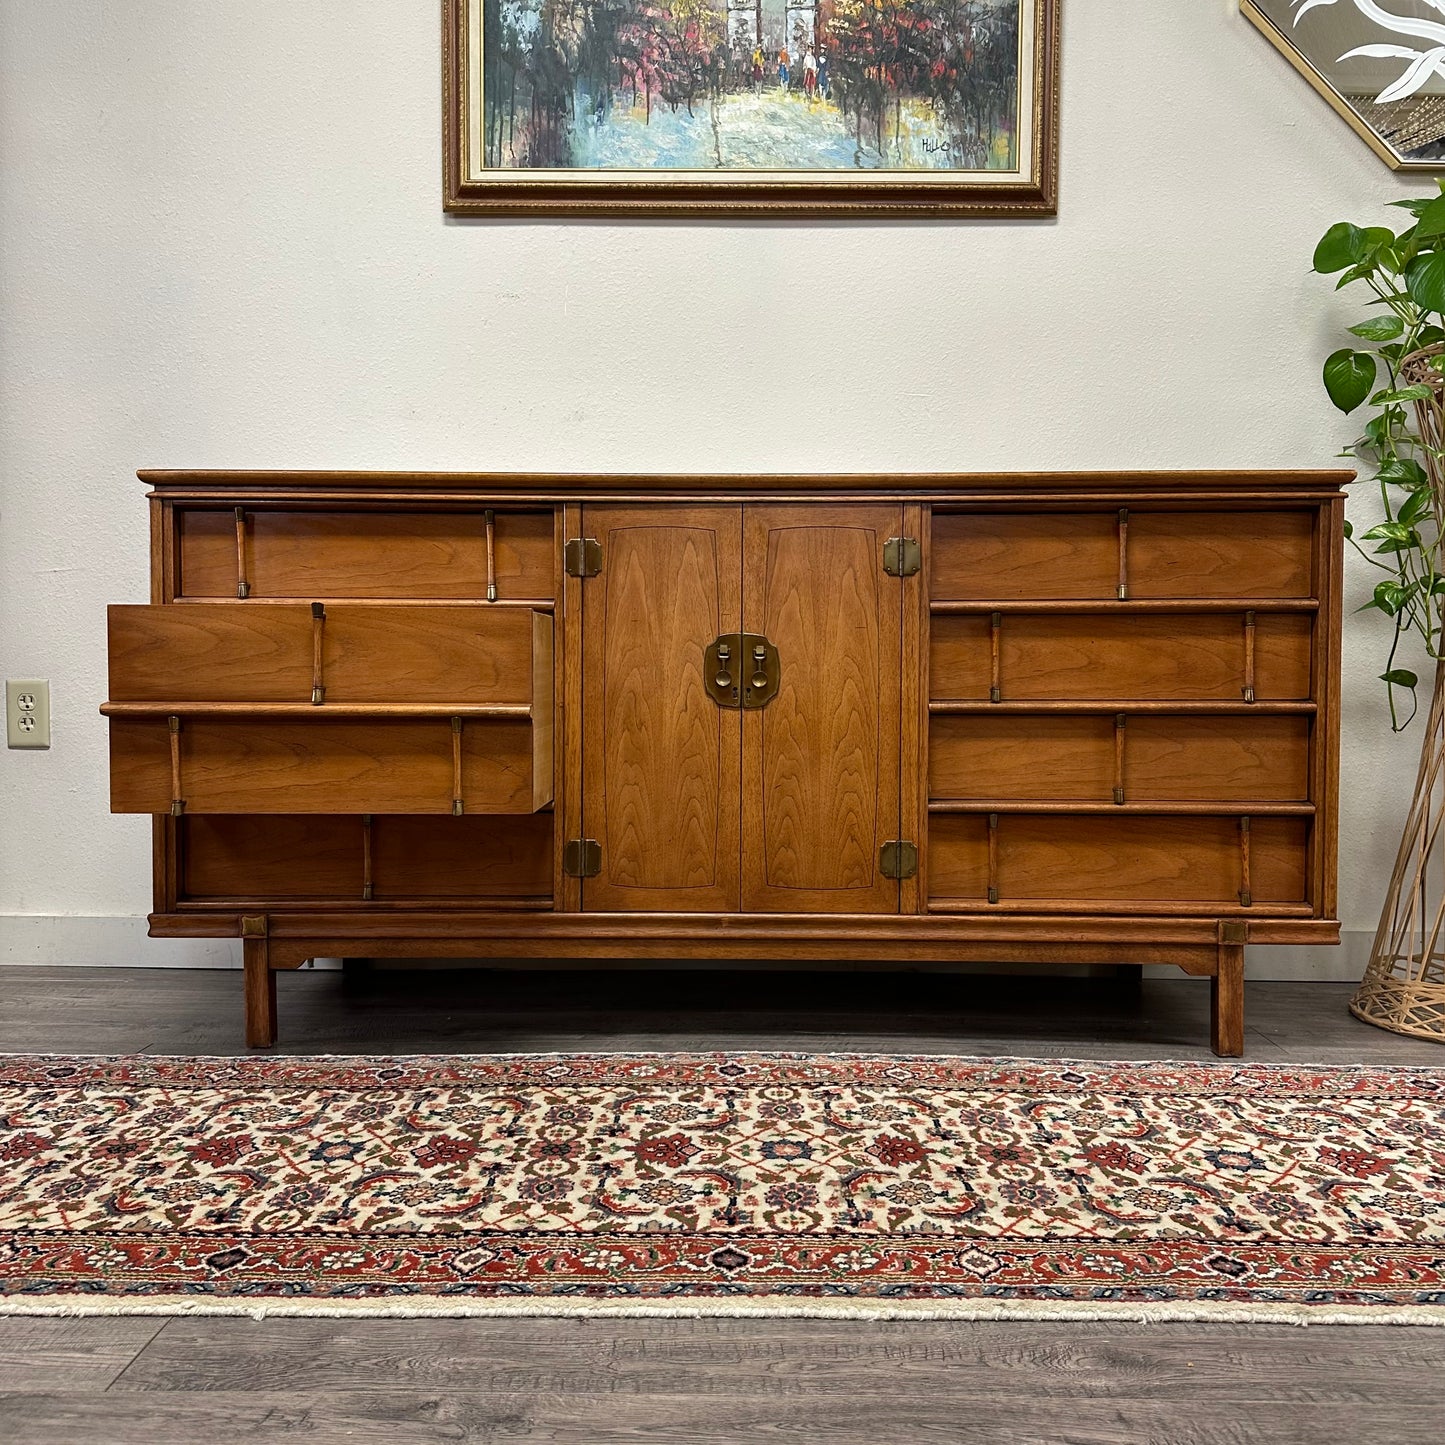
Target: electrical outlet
[27,714]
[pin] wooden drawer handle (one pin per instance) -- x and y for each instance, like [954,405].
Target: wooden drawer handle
[318,642]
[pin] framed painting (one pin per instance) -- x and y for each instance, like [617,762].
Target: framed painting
[763,107]
[1379,63]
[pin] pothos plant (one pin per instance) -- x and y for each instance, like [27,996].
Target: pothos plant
[1404,273]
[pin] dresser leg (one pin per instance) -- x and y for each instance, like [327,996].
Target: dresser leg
[260,984]
[1227,993]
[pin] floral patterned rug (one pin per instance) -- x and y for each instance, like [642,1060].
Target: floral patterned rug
[729,1184]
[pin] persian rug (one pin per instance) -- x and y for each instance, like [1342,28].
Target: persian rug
[720,1184]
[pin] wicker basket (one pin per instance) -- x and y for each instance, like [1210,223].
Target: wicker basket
[1404,984]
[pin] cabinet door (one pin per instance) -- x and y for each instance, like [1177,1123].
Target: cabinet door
[821,760]
[660,757]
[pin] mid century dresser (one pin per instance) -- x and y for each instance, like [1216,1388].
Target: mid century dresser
[1089,718]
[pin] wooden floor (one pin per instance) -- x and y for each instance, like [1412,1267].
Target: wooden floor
[176,1382]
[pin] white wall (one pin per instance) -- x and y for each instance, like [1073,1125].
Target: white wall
[222,245]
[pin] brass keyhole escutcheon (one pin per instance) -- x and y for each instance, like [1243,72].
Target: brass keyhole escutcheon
[723,663]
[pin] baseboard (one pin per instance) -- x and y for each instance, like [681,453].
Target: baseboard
[28,938]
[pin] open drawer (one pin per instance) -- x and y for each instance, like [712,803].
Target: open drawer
[229,708]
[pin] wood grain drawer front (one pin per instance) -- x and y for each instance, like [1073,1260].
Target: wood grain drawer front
[1034,556]
[1078,861]
[1089,556]
[228,652]
[1150,758]
[335,554]
[1221,554]
[327,858]
[1141,657]
[268,765]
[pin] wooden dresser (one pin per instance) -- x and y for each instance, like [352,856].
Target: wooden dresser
[1081,718]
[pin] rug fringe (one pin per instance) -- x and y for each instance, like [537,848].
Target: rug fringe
[960,1311]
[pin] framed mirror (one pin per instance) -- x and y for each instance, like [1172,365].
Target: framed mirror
[1379,63]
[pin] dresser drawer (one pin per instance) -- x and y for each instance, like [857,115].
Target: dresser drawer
[229,708]
[276,552]
[323,858]
[1089,556]
[1262,555]
[1059,860]
[1149,757]
[1105,657]
[322,765]
[232,652]
[1033,556]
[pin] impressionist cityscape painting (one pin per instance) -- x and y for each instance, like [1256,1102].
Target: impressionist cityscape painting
[842,86]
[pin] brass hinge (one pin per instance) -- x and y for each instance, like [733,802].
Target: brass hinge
[902,556]
[898,860]
[583,557]
[582,858]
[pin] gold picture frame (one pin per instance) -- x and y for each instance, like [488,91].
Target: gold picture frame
[1323,39]
[938,135]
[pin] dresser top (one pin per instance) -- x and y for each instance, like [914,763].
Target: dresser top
[935,486]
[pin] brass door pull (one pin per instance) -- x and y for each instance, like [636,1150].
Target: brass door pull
[725,685]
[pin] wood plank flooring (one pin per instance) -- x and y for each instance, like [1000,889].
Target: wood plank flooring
[716,1382]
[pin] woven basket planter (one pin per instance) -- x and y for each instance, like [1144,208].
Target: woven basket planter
[1404,984]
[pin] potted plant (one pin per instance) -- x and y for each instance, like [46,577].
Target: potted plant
[1396,369]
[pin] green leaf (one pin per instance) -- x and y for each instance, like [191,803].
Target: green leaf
[1357,273]
[1416,205]
[1425,280]
[1415,507]
[1349,375]
[1380,328]
[1403,472]
[1379,429]
[1405,393]
[1393,531]
[1432,218]
[1400,677]
[1349,530]
[1342,245]
[1389,598]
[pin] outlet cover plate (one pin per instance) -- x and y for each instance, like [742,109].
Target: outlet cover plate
[27,714]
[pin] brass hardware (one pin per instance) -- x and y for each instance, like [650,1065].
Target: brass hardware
[723,662]
[491,521]
[1248,689]
[178,803]
[1234,933]
[582,557]
[898,860]
[1121,721]
[253,926]
[458,807]
[582,858]
[318,634]
[1123,589]
[902,556]
[243,587]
